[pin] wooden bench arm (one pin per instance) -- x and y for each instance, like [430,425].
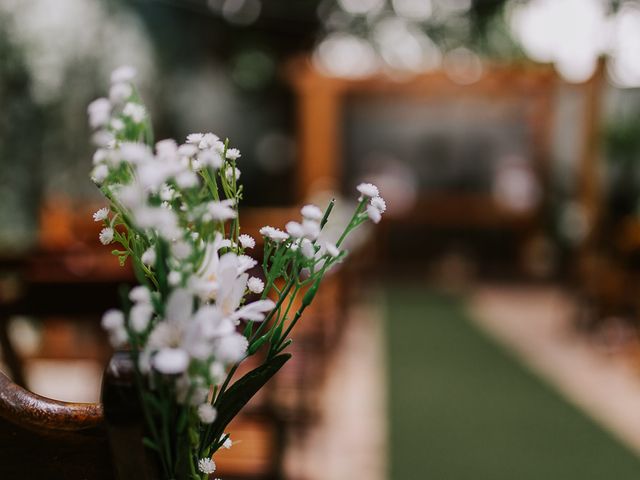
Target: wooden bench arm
[33,411]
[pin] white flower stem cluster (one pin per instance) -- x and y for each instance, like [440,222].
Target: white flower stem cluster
[201,307]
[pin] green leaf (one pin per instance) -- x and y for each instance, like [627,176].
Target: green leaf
[149,444]
[241,392]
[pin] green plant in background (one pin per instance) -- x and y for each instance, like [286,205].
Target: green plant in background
[198,313]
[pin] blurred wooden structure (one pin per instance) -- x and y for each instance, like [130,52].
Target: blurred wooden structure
[322,106]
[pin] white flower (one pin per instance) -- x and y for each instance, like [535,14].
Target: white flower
[117,124]
[103,138]
[217,372]
[374,214]
[119,92]
[124,73]
[135,152]
[162,220]
[207,413]
[101,214]
[171,361]
[311,229]
[255,285]
[194,138]
[112,319]
[246,241]
[101,155]
[149,256]
[167,149]
[167,193]
[118,337]
[208,141]
[174,278]
[233,154]
[206,465]
[273,233]
[187,150]
[254,311]
[135,112]
[230,172]
[181,249]
[187,179]
[294,229]
[231,348]
[210,158]
[227,443]
[99,112]
[139,316]
[100,173]
[332,249]
[379,203]
[368,189]
[106,236]
[306,247]
[311,212]
[140,294]
[222,210]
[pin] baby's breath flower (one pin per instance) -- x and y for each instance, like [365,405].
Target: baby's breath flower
[140,294]
[106,236]
[117,125]
[208,141]
[171,361]
[139,316]
[112,319]
[374,214]
[174,278]
[274,234]
[206,465]
[135,152]
[221,211]
[233,154]
[99,112]
[135,112]
[187,179]
[332,249]
[100,173]
[101,214]
[294,229]
[306,247]
[368,190]
[311,212]
[211,158]
[255,285]
[187,150]
[246,241]
[124,73]
[379,203]
[149,256]
[207,413]
[311,229]
[228,443]
[231,172]
[194,138]
[119,92]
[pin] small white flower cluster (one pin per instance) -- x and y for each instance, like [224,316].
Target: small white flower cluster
[173,211]
[377,206]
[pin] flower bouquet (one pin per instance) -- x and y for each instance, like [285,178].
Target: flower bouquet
[198,311]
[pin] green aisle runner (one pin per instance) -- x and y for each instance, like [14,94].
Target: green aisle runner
[463,409]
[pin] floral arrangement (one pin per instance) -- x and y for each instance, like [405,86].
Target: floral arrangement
[198,312]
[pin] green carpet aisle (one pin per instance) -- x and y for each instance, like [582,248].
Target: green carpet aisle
[463,409]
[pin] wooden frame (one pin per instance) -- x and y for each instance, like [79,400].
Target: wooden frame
[321,102]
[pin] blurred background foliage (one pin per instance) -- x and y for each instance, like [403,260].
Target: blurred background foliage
[218,65]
